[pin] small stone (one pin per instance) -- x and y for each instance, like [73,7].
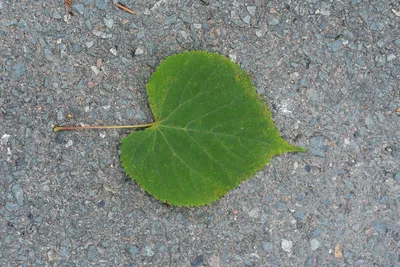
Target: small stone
[18,194]
[11,207]
[303,82]
[56,15]
[214,261]
[390,57]
[99,63]
[22,24]
[310,261]
[273,22]
[150,48]
[379,227]
[369,121]
[380,61]
[88,24]
[338,252]
[51,255]
[377,26]
[132,250]
[307,168]
[233,57]
[140,35]
[273,11]
[246,19]
[323,12]
[254,213]
[397,177]
[186,19]
[108,22]
[394,258]
[197,261]
[252,10]
[60,115]
[259,33]
[299,214]
[316,144]
[21,163]
[15,93]
[76,48]
[147,251]
[170,20]
[286,245]
[349,185]
[312,95]
[46,188]
[9,22]
[114,51]
[101,4]
[316,232]
[4,139]
[314,244]
[147,11]
[381,43]
[139,51]
[334,46]
[300,196]
[101,204]
[130,113]
[396,12]
[95,70]
[267,246]
[197,25]
[281,206]
[92,253]
[80,8]
[19,71]
[67,18]
[8,179]
[89,44]
[102,34]
[69,143]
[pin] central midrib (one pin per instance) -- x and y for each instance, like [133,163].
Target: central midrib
[209,132]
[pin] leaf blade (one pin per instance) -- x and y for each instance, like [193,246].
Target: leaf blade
[211,132]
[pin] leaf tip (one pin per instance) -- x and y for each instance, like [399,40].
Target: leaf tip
[296,149]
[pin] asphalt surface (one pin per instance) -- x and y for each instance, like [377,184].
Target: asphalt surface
[328,70]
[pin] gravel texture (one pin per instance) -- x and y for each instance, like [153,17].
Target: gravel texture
[328,70]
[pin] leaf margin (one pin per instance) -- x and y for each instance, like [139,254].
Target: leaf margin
[245,81]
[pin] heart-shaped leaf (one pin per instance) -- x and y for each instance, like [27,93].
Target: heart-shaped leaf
[211,131]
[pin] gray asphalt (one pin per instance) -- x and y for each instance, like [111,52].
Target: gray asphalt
[328,70]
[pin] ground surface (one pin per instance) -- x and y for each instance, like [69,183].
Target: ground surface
[328,70]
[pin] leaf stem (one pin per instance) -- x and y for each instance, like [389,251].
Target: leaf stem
[71,128]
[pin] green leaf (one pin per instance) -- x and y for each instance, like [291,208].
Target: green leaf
[211,131]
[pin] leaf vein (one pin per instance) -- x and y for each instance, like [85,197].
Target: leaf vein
[214,133]
[217,109]
[155,162]
[230,151]
[173,151]
[187,84]
[190,99]
[173,80]
[233,119]
[141,141]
